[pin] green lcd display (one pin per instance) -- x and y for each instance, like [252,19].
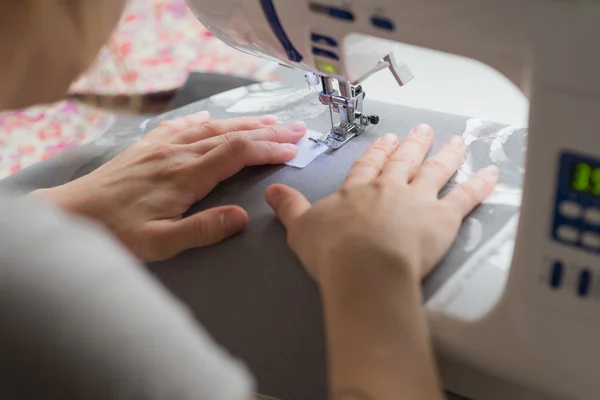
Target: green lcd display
[586,178]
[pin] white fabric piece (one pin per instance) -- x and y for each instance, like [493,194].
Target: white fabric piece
[307,150]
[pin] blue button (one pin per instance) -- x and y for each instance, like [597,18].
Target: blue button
[322,39]
[333,12]
[583,287]
[325,53]
[556,275]
[340,13]
[382,23]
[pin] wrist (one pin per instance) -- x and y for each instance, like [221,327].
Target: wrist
[64,197]
[366,294]
[49,195]
[367,272]
[376,328]
[52,195]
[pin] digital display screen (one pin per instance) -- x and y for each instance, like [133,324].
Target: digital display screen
[585,178]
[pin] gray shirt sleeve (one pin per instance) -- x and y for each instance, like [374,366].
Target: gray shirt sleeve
[80,319]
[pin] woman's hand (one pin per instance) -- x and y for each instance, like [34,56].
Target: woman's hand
[142,194]
[387,212]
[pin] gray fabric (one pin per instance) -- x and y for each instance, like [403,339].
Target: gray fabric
[81,320]
[201,85]
[250,292]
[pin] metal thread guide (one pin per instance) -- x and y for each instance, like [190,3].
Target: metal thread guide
[348,101]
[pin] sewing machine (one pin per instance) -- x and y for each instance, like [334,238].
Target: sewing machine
[531,332]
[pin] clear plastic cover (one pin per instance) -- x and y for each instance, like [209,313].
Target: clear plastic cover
[241,27]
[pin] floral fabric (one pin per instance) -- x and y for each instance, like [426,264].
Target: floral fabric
[155,47]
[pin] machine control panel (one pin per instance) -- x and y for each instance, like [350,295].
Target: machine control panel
[576,224]
[577,207]
[378,20]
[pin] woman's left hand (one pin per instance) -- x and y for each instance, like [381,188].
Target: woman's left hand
[388,211]
[142,194]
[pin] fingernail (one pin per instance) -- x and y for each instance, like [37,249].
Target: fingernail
[233,221]
[268,119]
[291,147]
[200,114]
[273,197]
[491,171]
[424,129]
[456,140]
[297,127]
[388,138]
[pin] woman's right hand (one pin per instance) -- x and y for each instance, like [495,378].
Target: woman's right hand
[142,195]
[387,213]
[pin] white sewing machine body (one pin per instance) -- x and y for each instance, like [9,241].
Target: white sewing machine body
[533,328]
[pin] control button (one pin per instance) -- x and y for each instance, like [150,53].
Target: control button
[382,23]
[570,209]
[325,53]
[583,287]
[340,13]
[567,234]
[591,240]
[322,39]
[592,216]
[333,12]
[556,274]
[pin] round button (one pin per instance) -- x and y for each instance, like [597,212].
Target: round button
[570,209]
[592,216]
[591,240]
[567,234]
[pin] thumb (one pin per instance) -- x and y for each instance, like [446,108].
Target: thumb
[287,203]
[199,230]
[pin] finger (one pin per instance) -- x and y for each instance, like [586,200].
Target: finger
[229,158]
[287,203]
[290,133]
[199,230]
[369,166]
[167,129]
[468,195]
[437,170]
[405,161]
[218,127]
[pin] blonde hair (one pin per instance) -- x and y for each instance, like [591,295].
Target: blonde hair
[94,26]
[17,19]
[58,39]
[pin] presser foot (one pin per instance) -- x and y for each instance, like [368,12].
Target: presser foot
[334,140]
[339,136]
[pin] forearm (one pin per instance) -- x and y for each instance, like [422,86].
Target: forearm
[378,340]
